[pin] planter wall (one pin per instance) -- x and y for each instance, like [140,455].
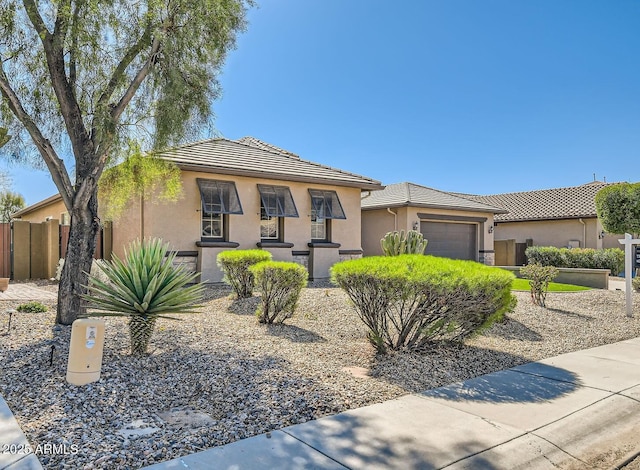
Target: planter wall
[595,278]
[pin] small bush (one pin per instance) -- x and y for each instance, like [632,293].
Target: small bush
[235,265]
[32,307]
[636,283]
[280,283]
[587,258]
[410,300]
[539,278]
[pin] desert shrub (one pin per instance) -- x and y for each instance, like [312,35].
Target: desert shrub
[397,243]
[280,283]
[636,283]
[410,300]
[32,307]
[539,278]
[588,258]
[545,256]
[235,265]
[145,286]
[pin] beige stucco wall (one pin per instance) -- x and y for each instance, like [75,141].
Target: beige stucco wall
[53,210]
[179,223]
[556,232]
[376,223]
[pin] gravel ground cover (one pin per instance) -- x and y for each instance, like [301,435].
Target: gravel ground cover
[219,376]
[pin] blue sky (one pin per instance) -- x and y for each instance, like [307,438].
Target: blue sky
[472,96]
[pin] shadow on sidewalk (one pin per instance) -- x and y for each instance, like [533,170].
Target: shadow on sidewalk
[511,387]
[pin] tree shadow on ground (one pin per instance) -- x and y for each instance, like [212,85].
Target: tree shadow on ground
[246,306]
[568,313]
[512,386]
[513,329]
[294,333]
[441,367]
[244,395]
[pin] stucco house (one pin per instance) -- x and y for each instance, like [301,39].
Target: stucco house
[561,217]
[245,194]
[455,227]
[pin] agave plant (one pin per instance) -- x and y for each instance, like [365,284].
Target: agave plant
[144,287]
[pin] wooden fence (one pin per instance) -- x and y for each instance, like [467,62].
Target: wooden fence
[31,250]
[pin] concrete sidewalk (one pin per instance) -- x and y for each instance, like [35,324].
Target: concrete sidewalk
[576,411]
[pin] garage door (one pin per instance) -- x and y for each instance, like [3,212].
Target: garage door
[450,240]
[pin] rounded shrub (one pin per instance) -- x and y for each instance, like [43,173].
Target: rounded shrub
[407,301]
[280,283]
[587,258]
[235,265]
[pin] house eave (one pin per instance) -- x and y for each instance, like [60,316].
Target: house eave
[278,176]
[435,206]
[546,219]
[45,202]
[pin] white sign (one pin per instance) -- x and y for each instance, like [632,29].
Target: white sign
[628,243]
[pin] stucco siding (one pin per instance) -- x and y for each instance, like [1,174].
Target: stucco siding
[377,222]
[552,232]
[179,223]
[40,214]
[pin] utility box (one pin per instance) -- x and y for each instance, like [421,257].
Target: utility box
[85,351]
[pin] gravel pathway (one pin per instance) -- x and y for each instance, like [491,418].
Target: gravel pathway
[219,376]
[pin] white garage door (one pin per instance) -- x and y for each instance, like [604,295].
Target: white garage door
[450,240]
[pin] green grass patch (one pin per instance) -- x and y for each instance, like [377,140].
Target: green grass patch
[523,285]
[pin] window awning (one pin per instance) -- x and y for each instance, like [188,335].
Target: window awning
[326,204]
[277,201]
[219,197]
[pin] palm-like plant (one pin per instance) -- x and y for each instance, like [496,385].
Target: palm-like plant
[144,287]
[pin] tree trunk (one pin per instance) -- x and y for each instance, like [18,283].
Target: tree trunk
[85,226]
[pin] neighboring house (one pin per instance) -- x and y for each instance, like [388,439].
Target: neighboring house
[561,217]
[245,194]
[455,227]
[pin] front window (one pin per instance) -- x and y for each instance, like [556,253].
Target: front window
[276,203]
[219,198]
[318,226]
[325,206]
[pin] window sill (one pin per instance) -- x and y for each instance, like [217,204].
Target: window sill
[220,244]
[274,245]
[323,245]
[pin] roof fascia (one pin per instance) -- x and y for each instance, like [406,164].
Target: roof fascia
[278,176]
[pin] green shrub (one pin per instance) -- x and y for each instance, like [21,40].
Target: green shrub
[545,256]
[235,265]
[32,307]
[410,300]
[397,243]
[144,287]
[539,278]
[588,258]
[636,283]
[280,283]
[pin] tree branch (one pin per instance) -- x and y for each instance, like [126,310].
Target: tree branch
[54,163]
[53,45]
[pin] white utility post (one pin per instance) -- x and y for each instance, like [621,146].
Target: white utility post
[629,263]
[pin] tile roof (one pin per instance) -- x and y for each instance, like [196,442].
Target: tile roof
[252,157]
[410,194]
[546,204]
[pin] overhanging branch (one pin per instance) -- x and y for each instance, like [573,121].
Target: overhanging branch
[54,163]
